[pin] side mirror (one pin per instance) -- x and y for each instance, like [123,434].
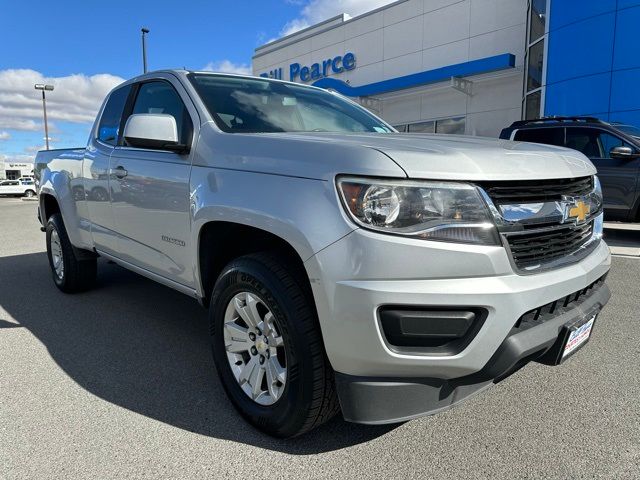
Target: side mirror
[157,131]
[623,153]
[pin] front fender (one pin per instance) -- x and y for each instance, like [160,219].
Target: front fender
[303,212]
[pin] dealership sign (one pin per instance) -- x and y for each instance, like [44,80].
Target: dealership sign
[316,71]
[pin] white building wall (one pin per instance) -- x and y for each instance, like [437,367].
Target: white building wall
[24,169]
[412,36]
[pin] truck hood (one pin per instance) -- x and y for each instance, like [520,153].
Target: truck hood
[457,157]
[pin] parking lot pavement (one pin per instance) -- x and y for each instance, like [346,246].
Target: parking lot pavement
[119,383]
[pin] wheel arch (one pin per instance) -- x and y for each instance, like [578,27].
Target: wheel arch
[48,206]
[219,242]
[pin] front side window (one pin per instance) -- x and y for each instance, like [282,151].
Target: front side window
[593,142]
[161,97]
[609,142]
[109,126]
[248,105]
[585,140]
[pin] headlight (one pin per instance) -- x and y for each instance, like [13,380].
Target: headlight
[596,195]
[446,211]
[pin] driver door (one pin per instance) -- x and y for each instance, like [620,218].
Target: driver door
[151,202]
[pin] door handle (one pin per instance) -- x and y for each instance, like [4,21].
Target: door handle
[120,171]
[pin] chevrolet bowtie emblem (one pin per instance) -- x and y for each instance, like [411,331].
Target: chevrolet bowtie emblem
[579,211]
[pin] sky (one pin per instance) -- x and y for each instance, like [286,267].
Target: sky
[87,47]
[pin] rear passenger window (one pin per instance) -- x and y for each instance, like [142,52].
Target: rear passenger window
[160,97]
[549,136]
[109,126]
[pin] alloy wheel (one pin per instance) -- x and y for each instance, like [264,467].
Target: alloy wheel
[255,348]
[56,254]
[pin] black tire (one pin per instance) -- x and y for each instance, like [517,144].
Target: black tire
[309,397]
[30,193]
[79,274]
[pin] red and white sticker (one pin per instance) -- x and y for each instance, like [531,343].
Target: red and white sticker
[578,337]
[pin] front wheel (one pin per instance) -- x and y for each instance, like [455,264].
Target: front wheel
[70,273]
[268,347]
[30,193]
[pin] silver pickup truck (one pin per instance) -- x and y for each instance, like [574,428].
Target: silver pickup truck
[346,267]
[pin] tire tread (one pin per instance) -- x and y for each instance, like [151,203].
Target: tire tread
[323,404]
[80,274]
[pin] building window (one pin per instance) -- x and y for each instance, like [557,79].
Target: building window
[535,65]
[423,127]
[452,126]
[532,105]
[538,19]
[534,75]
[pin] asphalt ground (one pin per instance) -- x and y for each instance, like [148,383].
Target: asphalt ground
[119,383]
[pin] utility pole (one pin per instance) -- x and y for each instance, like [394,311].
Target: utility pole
[43,87]
[144,49]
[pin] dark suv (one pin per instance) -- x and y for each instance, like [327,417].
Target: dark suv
[613,148]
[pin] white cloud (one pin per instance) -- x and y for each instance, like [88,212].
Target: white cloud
[315,11]
[5,135]
[76,98]
[20,124]
[227,66]
[16,158]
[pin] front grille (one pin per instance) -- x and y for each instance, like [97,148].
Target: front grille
[532,248]
[556,308]
[542,239]
[532,191]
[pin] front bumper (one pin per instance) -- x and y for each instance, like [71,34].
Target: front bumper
[374,400]
[354,277]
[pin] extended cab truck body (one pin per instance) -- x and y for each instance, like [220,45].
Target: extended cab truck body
[345,266]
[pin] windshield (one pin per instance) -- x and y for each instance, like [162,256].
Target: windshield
[629,130]
[250,105]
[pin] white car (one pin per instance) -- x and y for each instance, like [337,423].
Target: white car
[20,188]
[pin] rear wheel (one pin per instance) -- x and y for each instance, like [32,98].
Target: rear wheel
[29,193]
[71,273]
[268,347]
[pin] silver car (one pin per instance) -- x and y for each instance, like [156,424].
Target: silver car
[346,267]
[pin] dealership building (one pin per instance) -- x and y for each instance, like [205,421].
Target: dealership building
[472,66]
[13,170]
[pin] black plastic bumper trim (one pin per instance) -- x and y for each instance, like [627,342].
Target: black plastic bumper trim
[430,330]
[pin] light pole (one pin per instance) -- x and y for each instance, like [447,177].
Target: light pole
[144,48]
[43,87]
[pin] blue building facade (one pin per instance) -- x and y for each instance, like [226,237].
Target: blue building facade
[587,62]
